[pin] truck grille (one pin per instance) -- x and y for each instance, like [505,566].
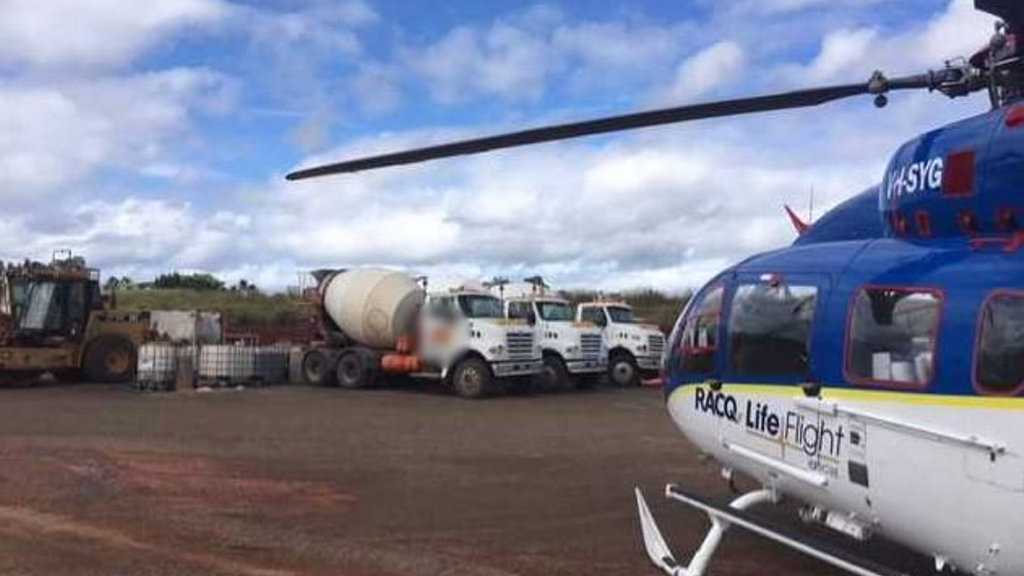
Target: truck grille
[519,344]
[590,345]
[656,344]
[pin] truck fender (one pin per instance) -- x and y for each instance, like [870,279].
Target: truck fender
[619,350]
[552,352]
[459,357]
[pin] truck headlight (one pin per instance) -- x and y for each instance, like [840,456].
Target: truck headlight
[642,348]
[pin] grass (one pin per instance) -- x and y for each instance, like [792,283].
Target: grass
[261,310]
[240,310]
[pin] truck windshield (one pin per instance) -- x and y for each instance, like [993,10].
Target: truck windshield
[555,311]
[621,315]
[480,306]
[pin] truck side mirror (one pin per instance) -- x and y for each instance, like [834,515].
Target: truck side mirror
[531,318]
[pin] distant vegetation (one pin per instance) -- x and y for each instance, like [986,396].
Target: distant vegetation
[178,281]
[244,306]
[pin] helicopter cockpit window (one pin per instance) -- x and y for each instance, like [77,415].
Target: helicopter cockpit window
[698,344]
[892,337]
[770,329]
[1000,365]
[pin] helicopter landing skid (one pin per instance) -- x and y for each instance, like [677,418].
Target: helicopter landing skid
[722,518]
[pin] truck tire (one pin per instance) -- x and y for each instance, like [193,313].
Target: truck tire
[356,370]
[553,375]
[317,369]
[472,378]
[623,371]
[110,360]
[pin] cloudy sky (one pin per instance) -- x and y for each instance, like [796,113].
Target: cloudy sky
[154,136]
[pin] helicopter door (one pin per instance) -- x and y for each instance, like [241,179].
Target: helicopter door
[768,357]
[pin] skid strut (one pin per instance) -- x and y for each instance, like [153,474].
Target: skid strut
[722,518]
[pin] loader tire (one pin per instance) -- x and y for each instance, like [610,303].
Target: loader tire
[110,360]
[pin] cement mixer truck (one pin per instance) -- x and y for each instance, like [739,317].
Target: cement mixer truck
[378,322]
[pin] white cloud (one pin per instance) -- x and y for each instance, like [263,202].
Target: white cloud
[787,6]
[957,31]
[840,50]
[665,207]
[95,32]
[130,236]
[377,89]
[503,61]
[55,134]
[517,58]
[706,71]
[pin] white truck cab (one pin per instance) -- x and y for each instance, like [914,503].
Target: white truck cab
[573,352]
[634,349]
[464,334]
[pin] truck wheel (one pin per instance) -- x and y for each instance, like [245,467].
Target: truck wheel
[554,375]
[316,368]
[355,371]
[472,378]
[110,360]
[623,371]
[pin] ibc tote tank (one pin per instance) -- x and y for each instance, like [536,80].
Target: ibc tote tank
[374,307]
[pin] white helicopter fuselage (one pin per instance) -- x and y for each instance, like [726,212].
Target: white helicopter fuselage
[941,474]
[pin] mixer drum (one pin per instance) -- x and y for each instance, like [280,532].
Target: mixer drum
[374,307]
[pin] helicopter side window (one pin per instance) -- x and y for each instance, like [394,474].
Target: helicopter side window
[770,329]
[892,336]
[698,344]
[1000,363]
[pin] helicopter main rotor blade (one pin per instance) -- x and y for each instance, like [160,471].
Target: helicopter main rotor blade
[782,101]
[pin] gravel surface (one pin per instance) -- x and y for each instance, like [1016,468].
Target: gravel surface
[294,480]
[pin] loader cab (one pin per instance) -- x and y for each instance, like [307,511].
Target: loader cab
[53,307]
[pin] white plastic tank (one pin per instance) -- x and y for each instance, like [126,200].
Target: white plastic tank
[374,307]
[158,363]
[224,362]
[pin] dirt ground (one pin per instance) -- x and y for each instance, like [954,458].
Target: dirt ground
[295,480]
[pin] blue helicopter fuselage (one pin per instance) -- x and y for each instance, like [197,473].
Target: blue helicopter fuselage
[944,220]
[875,368]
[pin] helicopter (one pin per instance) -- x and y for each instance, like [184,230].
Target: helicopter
[873,371]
